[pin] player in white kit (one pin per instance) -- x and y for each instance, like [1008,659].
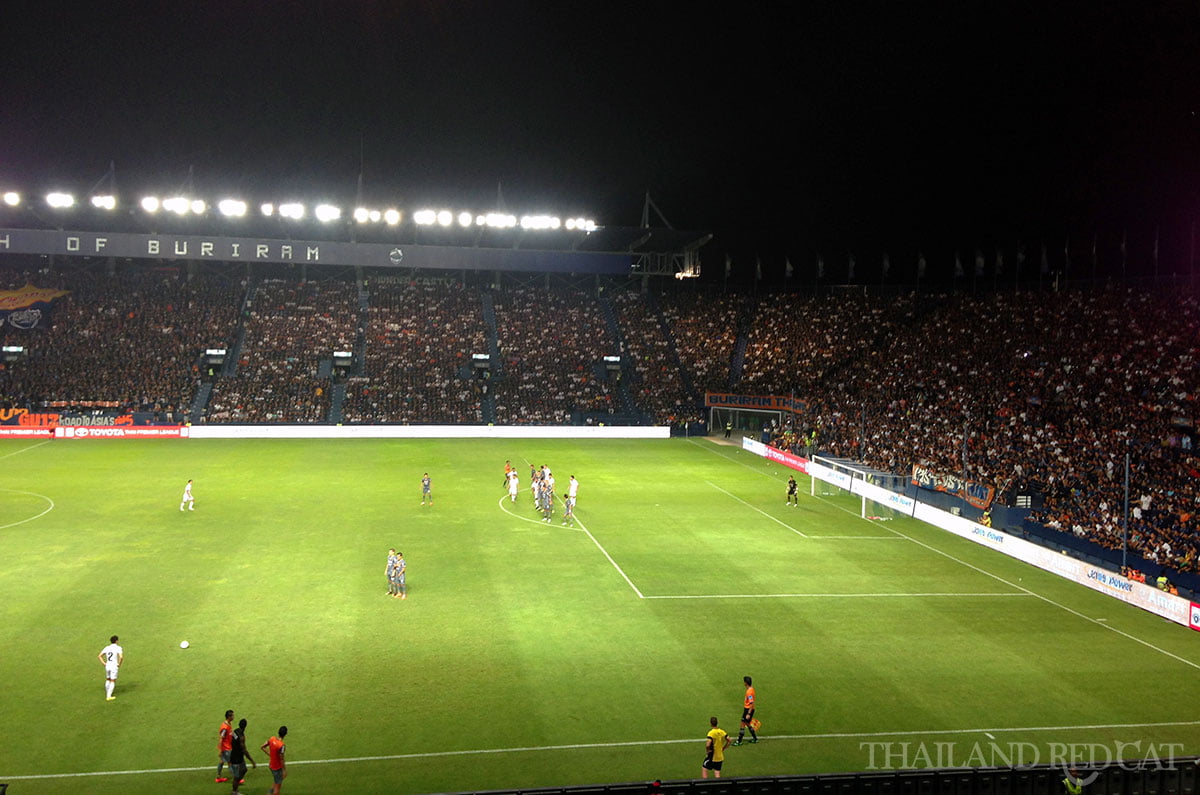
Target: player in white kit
[112,656]
[187,497]
[513,485]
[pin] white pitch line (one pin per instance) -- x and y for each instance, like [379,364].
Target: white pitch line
[603,552]
[831,595]
[1045,599]
[25,449]
[31,494]
[751,507]
[997,577]
[856,538]
[631,744]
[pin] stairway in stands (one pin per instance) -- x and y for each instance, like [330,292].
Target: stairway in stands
[337,396]
[738,360]
[669,334]
[624,397]
[487,405]
[229,369]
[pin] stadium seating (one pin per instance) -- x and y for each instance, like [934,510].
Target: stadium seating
[551,340]
[290,326]
[419,336]
[1044,392]
[130,340]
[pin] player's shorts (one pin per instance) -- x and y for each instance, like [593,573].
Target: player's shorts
[399,579]
[277,775]
[110,673]
[747,714]
[709,764]
[238,770]
[225,758]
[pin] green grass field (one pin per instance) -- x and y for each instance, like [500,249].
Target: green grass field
[526,654]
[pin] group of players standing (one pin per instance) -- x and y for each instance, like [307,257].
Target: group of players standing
[541,485]
[232,751]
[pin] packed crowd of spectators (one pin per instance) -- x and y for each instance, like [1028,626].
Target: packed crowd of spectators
[419,338]
[1041,392]
[551,341]
[130,340]
[1036,392]
[794,340]
[290,326]
[658,386]
[705,326]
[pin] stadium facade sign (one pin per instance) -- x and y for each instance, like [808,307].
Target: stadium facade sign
[728,400]
[54,242]
[53,419]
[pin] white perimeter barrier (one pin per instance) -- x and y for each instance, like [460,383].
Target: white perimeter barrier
[429,432]
[1139,594]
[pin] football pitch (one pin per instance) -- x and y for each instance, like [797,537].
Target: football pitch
[527,654]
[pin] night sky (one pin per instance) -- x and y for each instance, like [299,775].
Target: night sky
[786,129]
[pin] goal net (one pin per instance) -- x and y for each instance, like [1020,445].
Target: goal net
[746,422]
[878,494]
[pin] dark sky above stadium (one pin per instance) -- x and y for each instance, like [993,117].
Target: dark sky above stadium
[785,128]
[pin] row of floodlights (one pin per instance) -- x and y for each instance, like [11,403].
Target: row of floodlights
[326,213]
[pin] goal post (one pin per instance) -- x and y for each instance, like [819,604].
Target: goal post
[748,422]
[880,494]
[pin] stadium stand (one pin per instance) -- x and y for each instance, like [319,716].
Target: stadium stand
[705,326]
[290,327]
[658,386]
[1035,393]
[129,340]
[552,341]
[420,337]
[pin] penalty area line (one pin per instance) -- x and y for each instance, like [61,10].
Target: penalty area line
[832,595]
[753,508]
[633,744]
[600,547]
[992,575]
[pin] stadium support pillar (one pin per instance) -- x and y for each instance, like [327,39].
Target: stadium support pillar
[303,271]
[191,269]
[358,274]
[110,266]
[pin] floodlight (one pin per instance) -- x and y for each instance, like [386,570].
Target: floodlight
[267,209]
[464,218]
[177,205]
[234,208]
[445,217]
[570,223]
[293,210]
[362,215]
[392,217]
[104,202]
[327,212]
[60,200]
[150,204]
[481,220]
[12,198]
[199,206]
[425,217]
[501,221]
[538,222]
[375,215]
